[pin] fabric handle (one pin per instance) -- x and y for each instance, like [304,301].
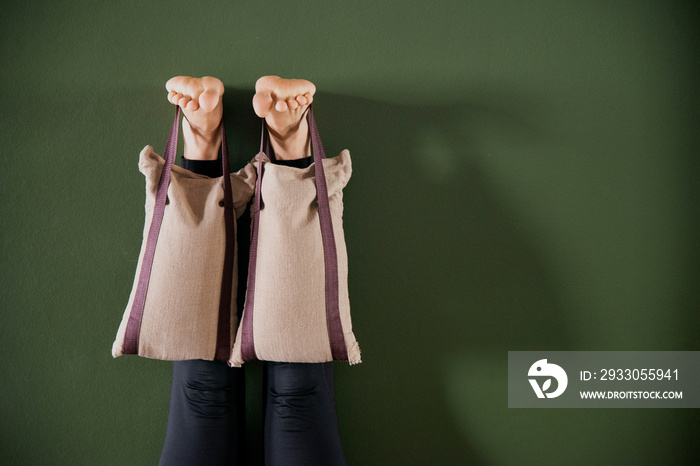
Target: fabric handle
[131,338]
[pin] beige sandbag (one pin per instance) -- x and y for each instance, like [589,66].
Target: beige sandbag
[183,313]
[297,307]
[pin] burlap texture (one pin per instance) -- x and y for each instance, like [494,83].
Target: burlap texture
[289,314]
[181,312]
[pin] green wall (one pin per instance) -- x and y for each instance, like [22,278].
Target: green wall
[525,178]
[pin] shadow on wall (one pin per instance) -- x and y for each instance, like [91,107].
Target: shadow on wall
[440,267]
[446,276]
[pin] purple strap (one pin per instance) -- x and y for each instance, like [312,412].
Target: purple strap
[223,335]
[335,328]
[247,343]
[133,327]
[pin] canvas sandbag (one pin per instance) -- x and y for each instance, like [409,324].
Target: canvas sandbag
[297,307]
[183,300]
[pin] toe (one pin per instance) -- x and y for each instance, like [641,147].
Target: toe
[281,106]
[192,106]
[301,100]
[292,104]
[184,101]
[174,97]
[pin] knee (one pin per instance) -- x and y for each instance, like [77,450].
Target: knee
[297,388]
[206,389]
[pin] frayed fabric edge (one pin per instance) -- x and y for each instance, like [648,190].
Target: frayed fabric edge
[354,354]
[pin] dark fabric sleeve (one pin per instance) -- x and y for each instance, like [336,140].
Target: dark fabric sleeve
[296,163]
[210,168]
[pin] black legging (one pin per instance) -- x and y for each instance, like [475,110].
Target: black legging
[205,420]
[300,421]
[207,413]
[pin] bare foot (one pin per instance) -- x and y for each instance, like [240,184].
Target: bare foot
[200,100]
[283,104]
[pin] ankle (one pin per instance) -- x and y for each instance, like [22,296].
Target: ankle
[293,142]
[200,146]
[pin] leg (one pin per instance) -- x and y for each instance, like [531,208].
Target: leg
[200,100]
[207,411]
[205,421]
[301,428]
[283,104]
